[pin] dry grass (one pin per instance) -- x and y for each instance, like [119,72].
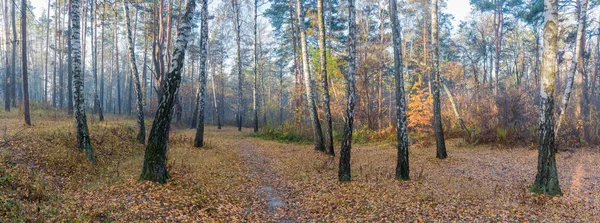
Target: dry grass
[44,178]
[473,184]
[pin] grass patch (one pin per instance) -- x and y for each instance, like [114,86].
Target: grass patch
[294,137]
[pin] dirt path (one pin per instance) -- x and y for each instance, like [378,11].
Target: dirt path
[272,191]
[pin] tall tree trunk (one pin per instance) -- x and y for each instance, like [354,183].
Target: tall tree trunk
[402,167]
[310,95]
[9,69]
[145,64]
[101,100]
[13,78]
[117,73]
[344,173]
[54,60]
[199,141]
[236,24]
[435,69]
[61,88]
[24,60]
[94,42]
[214,91]
[255,90]
[221,114]
[70,67]
[577,59]
[546,179]
[155,165]
[83,136]
[47,50]
[297,79]
[141,137]
[324,80]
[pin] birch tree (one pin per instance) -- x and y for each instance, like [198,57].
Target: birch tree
[141,137]
[435,69]
[324,80]
[83,136]
[344,173]
[546,179]
[577,58]
[199,141]
[155,158]
[310,95]
[402,168]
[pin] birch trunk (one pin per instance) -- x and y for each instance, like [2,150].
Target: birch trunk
[435,69]
[324,80]
[141,137]
[455,109]
[199,141]
[402,167]
[310,95]
[155,165]
[546,179]
[83,136]
[344,173]
[577,56]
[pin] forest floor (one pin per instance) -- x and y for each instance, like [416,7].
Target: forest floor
[237,178]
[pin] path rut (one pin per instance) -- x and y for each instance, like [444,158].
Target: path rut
[271,190]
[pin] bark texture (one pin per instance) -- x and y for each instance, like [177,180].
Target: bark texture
[83,137]
[546,179]
[310,95]
[577,59]
[402,168]
[155,166]
[324,80]
[141,137]
[344,173]
[435,69]
[199,141]
[26,114]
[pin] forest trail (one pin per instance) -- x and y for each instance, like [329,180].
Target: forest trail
[240,178]
[269,190]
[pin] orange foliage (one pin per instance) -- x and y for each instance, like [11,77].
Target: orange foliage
[420,110]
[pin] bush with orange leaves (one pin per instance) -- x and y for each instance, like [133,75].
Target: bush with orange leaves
[420,111]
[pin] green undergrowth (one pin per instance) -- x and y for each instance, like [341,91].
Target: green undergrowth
[276,134]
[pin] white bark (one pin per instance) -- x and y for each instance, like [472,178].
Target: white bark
[136,76]
[80,118]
